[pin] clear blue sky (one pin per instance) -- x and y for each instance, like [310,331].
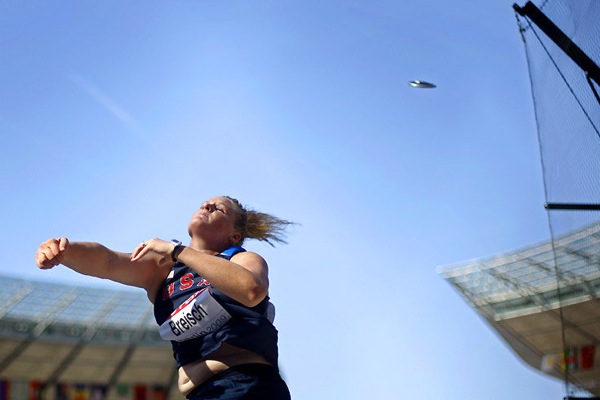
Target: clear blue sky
[119,117]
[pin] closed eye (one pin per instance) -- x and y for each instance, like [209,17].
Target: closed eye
[213,207]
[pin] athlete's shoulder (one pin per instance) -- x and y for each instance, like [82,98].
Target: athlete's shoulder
[249,258]
[232,251]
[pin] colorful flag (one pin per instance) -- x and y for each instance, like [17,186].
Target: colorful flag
[4,390]
[158,393]
[139,392]
[80,392]
[123,392]
[587,357]
[551,362]
[35,390]
[569,361]
[62,392]
[98,392]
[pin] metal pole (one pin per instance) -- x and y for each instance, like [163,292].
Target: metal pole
[563,41]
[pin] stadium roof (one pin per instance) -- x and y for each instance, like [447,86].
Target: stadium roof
[531,296]
[81,335]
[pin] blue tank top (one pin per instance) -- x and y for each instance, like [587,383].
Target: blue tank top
[198,318]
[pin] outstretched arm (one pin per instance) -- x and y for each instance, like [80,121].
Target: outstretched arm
[94,259]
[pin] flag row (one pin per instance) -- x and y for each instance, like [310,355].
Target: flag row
[35,390]
[572,359]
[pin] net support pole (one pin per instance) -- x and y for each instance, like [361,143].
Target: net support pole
[581,398]
[572,206]
[560,39]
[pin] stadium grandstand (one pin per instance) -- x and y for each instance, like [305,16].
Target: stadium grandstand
[519,295]
[74,342]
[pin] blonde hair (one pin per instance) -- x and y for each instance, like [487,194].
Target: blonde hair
[252,224]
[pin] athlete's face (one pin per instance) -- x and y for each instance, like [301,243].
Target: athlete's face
[215,217]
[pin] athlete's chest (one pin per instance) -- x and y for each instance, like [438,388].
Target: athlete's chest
[188,309]
[182,281]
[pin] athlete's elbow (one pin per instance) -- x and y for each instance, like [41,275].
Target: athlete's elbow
[254,295]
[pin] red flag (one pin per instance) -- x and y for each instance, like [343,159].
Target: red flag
[158,393]
[587,356]
[35,389]
[139,392]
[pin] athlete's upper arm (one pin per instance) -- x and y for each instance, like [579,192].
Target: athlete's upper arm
[255,264]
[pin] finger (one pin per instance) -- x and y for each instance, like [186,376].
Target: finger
[139,251]
[48,256]
[139,255]
[53,246]
[39,259]
[44,262]
[54,249]
[63,242]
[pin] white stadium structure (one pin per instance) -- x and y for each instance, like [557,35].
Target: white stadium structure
[519,295]
[62,341]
